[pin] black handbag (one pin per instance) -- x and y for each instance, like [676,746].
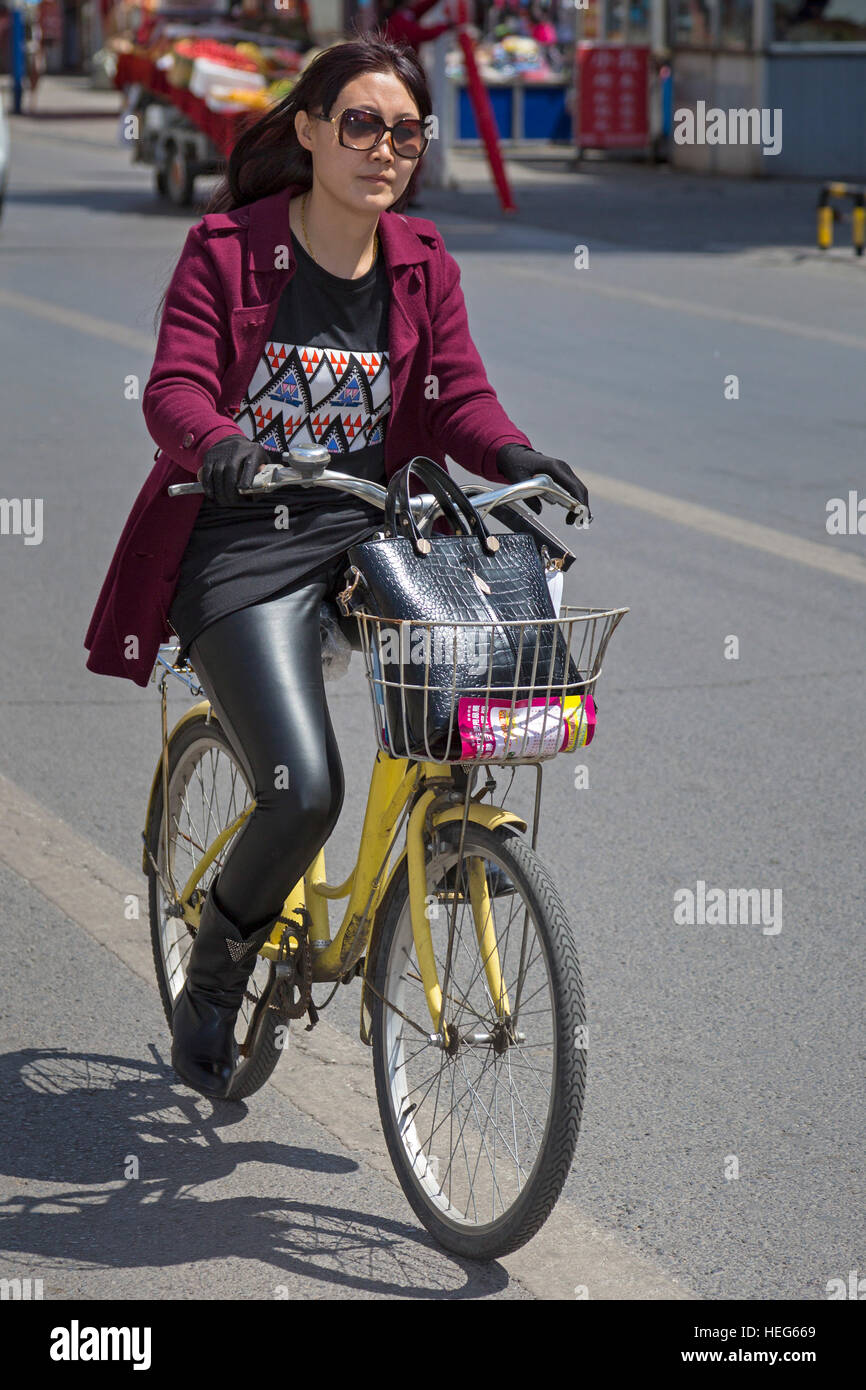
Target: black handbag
[472,576]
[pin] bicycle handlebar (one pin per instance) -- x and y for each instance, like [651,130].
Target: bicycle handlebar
[306,466]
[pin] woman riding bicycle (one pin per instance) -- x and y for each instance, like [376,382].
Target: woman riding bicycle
[305,308]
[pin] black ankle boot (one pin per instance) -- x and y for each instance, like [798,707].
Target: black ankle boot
[203,1047]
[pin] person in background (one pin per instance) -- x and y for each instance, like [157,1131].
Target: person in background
[507,20]
[540,26]
[399,20]
[34,57]
[5,38]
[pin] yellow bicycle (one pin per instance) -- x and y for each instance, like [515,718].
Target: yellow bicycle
[471,997]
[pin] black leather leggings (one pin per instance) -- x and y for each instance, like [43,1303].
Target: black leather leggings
[261,669]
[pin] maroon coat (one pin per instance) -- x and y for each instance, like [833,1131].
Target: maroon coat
[221,303]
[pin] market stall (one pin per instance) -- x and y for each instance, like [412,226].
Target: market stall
[525,56]
[194,78]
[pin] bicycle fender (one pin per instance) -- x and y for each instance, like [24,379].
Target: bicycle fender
[194,712]
[491,817]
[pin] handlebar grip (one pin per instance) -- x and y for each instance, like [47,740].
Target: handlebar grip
[184,489]
[181,489]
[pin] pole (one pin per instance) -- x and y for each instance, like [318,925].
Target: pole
[437,160]
[18,59]
[483,112]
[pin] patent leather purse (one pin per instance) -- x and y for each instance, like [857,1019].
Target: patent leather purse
[456,617]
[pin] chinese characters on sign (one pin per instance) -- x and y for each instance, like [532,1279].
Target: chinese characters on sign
[612,84]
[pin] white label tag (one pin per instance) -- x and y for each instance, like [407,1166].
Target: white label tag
[554,583]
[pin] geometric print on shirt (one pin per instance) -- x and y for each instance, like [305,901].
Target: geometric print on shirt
[335,397]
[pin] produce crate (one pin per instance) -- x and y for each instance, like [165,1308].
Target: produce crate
[222,127]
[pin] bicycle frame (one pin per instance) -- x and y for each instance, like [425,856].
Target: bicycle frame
[425,791]
[397,785]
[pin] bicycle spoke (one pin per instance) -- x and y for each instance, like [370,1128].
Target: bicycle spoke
[475,1118]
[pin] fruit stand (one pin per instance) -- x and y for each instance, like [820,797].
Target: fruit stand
[189,97]
[528,80]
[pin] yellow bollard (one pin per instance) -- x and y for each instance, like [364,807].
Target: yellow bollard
[858,225]
[827,215]
[825,227]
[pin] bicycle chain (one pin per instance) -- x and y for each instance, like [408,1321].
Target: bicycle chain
[302,964]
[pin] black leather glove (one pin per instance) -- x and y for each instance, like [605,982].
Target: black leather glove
[517,462]
[231,463]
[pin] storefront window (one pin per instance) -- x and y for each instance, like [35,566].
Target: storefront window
[820,21]
[693,23]
[628,21]
[639,21]
[616,10]
[735,23]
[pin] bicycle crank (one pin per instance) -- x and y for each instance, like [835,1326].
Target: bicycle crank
[293,971]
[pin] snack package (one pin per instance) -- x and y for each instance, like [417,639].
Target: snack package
[494,730]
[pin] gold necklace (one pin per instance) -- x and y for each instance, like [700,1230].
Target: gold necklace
[307,239]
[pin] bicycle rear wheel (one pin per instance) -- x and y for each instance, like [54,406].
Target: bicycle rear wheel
[481,1130]
[207,790]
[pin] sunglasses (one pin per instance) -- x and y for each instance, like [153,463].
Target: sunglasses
[362,130]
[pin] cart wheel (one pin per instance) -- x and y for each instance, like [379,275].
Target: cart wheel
[177,177]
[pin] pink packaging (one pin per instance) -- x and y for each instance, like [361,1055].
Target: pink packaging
[495,731]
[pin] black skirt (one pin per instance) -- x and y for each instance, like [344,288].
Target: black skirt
[240,555]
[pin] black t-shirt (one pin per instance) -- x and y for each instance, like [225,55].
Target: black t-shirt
[323,378]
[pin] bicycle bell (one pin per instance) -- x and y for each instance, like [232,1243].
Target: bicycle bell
[309,459]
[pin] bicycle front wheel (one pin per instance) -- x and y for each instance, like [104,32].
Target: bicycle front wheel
[481,1121]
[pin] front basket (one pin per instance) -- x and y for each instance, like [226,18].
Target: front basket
[425,707]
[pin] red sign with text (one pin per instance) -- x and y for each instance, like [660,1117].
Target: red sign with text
[613,95]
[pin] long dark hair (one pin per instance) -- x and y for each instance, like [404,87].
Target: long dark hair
[268,156]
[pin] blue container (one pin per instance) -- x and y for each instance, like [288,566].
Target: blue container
[545,114]
[502,101]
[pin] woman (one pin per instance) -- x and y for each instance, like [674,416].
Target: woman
[306,309]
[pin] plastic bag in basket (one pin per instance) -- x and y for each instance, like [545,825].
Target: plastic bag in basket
[336,650]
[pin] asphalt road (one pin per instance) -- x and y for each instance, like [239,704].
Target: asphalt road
[706,1041]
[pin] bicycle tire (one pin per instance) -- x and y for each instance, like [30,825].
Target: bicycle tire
[533,883]
[268,1042]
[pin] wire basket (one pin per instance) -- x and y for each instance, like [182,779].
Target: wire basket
[435,698]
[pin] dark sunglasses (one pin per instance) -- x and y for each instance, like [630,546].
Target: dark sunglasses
[362,130]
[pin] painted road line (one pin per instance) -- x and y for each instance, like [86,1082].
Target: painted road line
[843,564]
[584,285]
[73,318]
[325,1074]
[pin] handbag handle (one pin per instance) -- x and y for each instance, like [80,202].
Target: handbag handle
[455,504]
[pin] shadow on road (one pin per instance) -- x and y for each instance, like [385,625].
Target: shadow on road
[80,1121]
